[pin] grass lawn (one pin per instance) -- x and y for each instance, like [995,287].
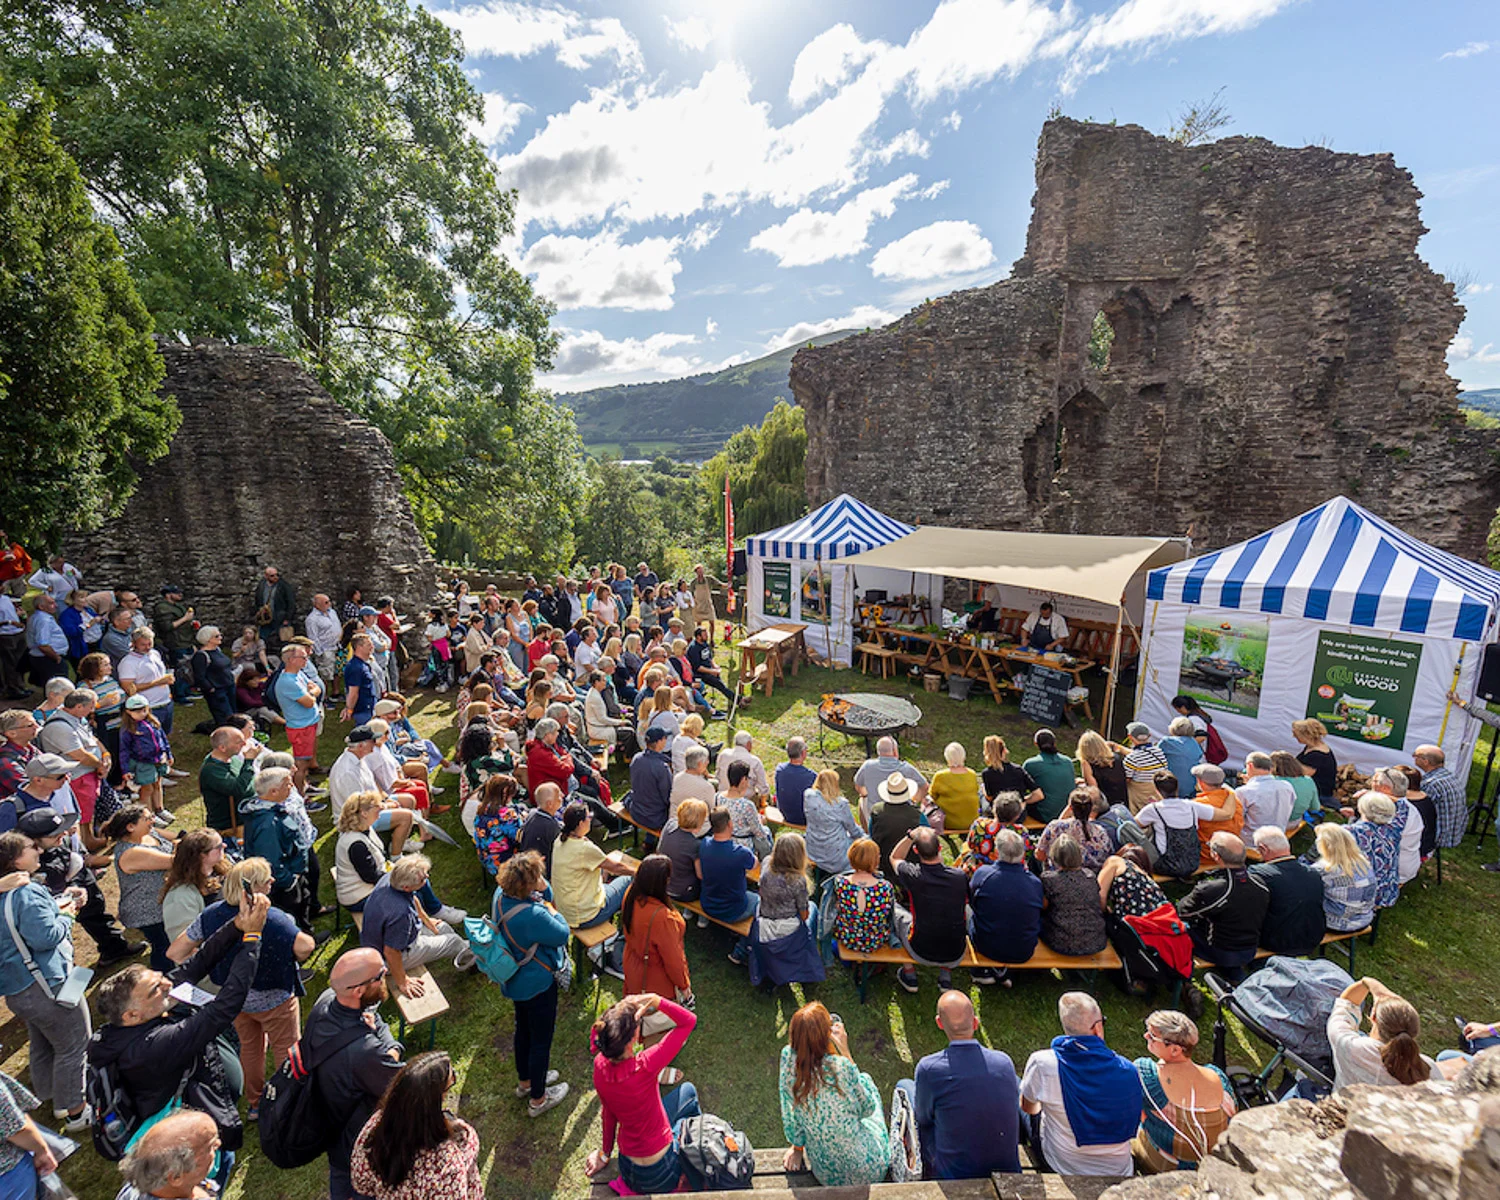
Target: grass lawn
[1438,948]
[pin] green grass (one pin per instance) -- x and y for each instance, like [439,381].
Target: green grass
[1438,948]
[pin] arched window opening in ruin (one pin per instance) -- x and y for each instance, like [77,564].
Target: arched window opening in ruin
[1101,339]
[1080,430]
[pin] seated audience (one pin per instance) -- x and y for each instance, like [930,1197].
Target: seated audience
[967,1100]
[1294,917]
[1317,759]
[1008,813]
[1005,902]
[1143,760]
[1126,887]
[1449,798]
[655,935]
[831,828]
[680,844]
[1002,775]
[878,770]
[689,736]
[1226,909]
[1102,765]
[1379,840]
[1348,879]
[1085,1100]
[1426,809]
[497,822]
[1284,765]
[749,829]
[412,1146]
[542,825]
[1053,775]
[649,801]
[894,817]
[1181,747]
[1211,791]
[407,938]
[633,1111]
[953,795]
[691,783]
[932,926]
[792,781]
[863,903]
[1390,1054]
[759,787]
[1172,826]
[723,865]
[1072,921]
[527,917]
[1187,1107]
[831,1113]
[579,870]
[1092,838]
[1267,799]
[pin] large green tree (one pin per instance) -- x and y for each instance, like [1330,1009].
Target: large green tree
[766,466]
[78,368]
[304,172]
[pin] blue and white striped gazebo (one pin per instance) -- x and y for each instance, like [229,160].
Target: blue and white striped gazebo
[842,527]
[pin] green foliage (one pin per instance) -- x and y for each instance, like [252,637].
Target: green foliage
[78,368]
[1101,339]
[766,468]
[1199,121]
[304,174]
[648,512]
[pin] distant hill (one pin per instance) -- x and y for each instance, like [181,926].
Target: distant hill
[688,419]
[1486,400]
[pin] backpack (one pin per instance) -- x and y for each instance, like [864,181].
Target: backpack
[296,1125]
[116,1121]
[273,702]
[717,1155]
[491,946]
[1214,749]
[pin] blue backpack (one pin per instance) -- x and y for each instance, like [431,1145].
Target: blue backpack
[490,940]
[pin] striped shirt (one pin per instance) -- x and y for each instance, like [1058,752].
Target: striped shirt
[1142,763]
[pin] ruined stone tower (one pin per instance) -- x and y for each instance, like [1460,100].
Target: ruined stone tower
[1211,338]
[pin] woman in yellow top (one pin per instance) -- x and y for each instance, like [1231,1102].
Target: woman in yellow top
[953,797]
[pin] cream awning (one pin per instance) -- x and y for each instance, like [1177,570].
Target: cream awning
[1095,568]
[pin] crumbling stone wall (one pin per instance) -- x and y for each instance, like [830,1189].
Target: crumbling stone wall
[1276,341]
[266,469]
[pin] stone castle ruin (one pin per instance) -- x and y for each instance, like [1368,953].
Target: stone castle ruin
[1205,339]
[265,469]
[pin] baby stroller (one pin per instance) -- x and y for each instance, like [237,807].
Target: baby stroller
[1286,1005]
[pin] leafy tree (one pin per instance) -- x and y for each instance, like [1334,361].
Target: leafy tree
[303,172]
[766,467]
[78,368]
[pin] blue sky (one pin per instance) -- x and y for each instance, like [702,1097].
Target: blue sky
[701,182]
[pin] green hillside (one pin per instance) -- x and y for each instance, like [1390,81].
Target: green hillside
[688,419]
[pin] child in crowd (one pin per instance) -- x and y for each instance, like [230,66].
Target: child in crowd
[145,754]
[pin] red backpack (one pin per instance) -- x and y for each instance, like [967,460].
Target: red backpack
[1214,749]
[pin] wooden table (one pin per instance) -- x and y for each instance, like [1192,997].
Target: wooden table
[996,668]
[763,652]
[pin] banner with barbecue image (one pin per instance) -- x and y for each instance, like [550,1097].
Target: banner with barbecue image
[1362,686]
[1224,662]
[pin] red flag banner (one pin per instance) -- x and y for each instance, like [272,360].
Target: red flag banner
[729,543]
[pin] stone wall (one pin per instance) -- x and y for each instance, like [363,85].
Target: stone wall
[266,469]
[1276,341]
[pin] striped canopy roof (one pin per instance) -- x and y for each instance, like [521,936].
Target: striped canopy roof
[1343,565]
[840,528]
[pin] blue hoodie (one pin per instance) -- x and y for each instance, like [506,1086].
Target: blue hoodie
[272,832]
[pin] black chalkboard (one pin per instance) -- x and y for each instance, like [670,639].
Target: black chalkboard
[1045,696]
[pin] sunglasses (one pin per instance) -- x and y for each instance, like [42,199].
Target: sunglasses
[384,971]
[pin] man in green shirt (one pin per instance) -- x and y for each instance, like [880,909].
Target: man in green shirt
[172,621]
[227,777]
[1053,774]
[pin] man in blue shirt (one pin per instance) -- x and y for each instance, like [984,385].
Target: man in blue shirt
[645,577]
[966,1099]
[649,802]
[359,681]
[297,699]
[792,781]
[1005,907]
[722,865]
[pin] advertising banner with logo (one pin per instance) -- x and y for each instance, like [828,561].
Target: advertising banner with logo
[1362,687]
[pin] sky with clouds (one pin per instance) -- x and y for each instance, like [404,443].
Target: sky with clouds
[702,181]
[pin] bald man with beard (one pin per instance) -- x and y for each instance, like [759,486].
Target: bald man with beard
[967,1100]
[354,1077]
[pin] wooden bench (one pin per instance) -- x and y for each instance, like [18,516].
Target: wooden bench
[429,1006]
[630,866]
[619,810]
[1345,942]
[772,816]
[692,906]
[869,651]
[1042,959]
[585,940]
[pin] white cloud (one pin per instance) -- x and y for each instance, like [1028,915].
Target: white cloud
[907,142]
[501,116]
[1468,50]
[953,120]
[942,248]
[691,33]
[586,358]
[933,190]
[604,272]
[865,316]
[1461,349]
[828,60]
[808,237]
[711,327]
[1478,289]
[1141,25]
[969,42]
[506,29]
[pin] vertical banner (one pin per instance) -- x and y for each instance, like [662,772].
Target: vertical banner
[1362,687]
[729,544]
[777,598]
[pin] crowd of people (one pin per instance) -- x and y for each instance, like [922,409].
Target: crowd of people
[551,688]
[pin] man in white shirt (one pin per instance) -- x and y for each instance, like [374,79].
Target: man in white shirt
[59,578]
[1107,1091]
[1267,799]
[586,657]
[46,643]
[1044,629]
[759,785]
[324,628]
[142,672]
[691,783]
[351,774]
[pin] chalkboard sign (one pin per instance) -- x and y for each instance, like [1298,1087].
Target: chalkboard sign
[1045,696]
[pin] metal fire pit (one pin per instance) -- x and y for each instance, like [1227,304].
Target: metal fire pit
[867,715]
[1224,672]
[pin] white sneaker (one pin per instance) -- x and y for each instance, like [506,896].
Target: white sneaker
[176,774]
[165,782]
[454,916]
[550,1099]
[702,922]
[442,687]
[79,1123]
[412,847]
[162,818]
[434,790]
[523,1090]
[453,768]
[464,960]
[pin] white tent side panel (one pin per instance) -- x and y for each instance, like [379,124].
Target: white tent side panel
[1290,652]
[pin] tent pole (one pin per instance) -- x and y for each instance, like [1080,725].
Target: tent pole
[1114,670]
[827,611]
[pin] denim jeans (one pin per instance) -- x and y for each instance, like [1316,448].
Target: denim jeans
[661,1176]
[614,896]
[163,715]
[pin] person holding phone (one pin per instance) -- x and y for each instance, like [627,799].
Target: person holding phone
[830,1109]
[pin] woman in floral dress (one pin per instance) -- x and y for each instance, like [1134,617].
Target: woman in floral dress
[830,1109]
[863,902]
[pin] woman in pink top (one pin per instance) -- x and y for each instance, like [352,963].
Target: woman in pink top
[635,1113]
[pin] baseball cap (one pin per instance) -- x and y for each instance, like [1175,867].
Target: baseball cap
[168,588]
[136,703]
[1138,729]
[360,733]
[44,822]
[368,610]
[655,734]
[48,764]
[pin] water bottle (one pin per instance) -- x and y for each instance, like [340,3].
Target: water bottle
[54,1188]
[114,1127]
